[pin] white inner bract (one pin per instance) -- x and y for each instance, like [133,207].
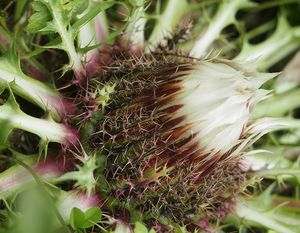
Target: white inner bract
[218,98]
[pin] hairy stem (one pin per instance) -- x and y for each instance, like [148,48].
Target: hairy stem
[274,48]
[224,16]
[251,215]
[167,22]
[134,33]
[45,129]
[30,89]
[68,42]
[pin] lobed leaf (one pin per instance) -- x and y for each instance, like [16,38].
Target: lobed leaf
[40,18]
[82,220]
[91,14]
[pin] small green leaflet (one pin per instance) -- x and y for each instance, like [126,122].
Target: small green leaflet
[56,16]
[50,14]
[91,14]
[54,44]
[108,40]
[84,175]
[141,228]
[73,7]
[82,220]
[40,18]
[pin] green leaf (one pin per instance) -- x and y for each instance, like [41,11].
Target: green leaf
[92,216]
[76,7]
[53,44]
[108,40]
[65,10]
[50,27]
[82,220]
[92,13]
[61,12]
[40,18]
[77,218]
[140,228]
[84,176]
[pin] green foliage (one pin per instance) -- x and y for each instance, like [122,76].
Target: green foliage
[72,7]
[84,176]
[141,228]
[87,219]
[91,14]
[260,211]
[58,23]
[56,16]
[40,18]
[32,90]
[49,14]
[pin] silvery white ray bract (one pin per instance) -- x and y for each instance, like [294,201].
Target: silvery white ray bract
[217,100]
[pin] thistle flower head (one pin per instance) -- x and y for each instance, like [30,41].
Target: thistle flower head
[175,131]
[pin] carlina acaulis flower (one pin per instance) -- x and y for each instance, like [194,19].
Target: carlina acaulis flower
[174,133]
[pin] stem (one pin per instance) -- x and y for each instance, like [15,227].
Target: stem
[251,215]
[46,129]
[167,22]
[224,16]
[274,48]
[279,172]
[249,35]
[4,42]
[41,184]
[93,33]
[274,3]
[87,35]
[289,202]
[277,105]
[35,69]
[289,78]
[101,26]
[290,123]
[277,54]
[68,42]
[16,178]
[30,89]
[134,33]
